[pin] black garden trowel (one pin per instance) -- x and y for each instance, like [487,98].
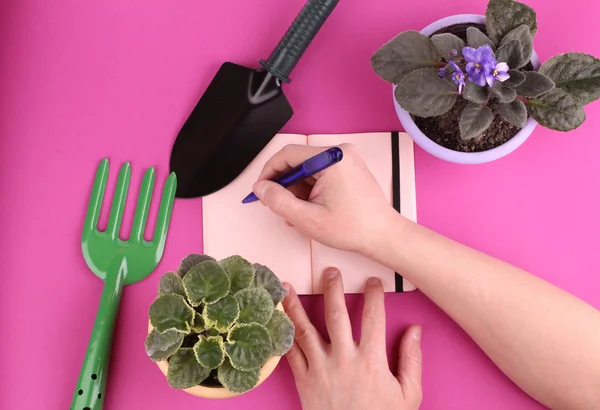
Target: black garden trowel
[241,111]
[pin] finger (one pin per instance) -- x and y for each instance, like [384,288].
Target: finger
[297,361]
[282,202]
[336,313]
[372,337]
[301,190]
[410,366]
[306,335]
[288,157]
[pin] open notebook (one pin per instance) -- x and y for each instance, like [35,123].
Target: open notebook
[253,232]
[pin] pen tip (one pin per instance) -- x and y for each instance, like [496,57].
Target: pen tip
[250,198]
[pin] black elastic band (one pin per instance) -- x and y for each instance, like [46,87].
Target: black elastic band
[396,191]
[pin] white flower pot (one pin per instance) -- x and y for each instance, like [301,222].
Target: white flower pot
[455,156]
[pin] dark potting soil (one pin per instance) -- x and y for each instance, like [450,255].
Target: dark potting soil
[190,340]
[444,130]
[211,380]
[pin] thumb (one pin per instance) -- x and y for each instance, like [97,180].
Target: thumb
[285,204]
[410,366]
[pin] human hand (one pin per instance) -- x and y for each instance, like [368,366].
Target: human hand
[349,375]
[342,207]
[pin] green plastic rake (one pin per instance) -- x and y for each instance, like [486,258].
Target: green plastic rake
[118,263]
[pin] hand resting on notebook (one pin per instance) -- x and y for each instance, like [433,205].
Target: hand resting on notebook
[544,339]
[348,375]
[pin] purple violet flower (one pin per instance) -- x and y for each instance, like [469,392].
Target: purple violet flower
[500,72]
[442,72]
[457,76]
[480,64]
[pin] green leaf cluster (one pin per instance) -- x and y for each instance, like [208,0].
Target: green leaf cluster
[554,96]
[218,321]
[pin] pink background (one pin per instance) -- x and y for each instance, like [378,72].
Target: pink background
[81,80]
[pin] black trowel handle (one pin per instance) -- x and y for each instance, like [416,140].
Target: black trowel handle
[285,56]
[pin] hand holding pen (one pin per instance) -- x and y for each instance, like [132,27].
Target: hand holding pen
[305,170]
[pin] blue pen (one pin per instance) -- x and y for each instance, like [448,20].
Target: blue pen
[307,169]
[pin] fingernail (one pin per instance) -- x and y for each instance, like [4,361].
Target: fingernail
[286,289]
[373,281]
[331,273]
[260,188]
[417,333]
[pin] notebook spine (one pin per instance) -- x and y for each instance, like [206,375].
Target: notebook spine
[396,192]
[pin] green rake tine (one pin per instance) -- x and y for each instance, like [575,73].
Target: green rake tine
[164,213]
[143,205]
[118,205]
[95,204]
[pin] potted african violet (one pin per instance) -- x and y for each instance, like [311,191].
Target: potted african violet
[217,328]
[470,88]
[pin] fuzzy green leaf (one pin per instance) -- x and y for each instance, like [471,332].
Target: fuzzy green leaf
[222,314]
[281,329]
[476,39]
[511,53]
[169,283]
[160,346]
[198,325]
[210,351]
[206,282]
[503,16]
[213,332]
[475,93]
[185,371]
[408,51]
[557,110]
[522,34]
[514,113]
[424,94]
[535,84]
[248,346]
[192,260]
[447,42]
[256,305]
[474,120]
[171,312]
[237,381]
[503,94]
[266,279]
[516,78]
[576,73]
[240,272]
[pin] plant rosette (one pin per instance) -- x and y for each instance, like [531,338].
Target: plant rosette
[470,88]
[217,329]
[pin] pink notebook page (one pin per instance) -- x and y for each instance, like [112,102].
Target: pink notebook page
[255,233]
[251,230]
[376,151]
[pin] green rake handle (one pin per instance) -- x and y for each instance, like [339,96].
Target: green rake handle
[92,378]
